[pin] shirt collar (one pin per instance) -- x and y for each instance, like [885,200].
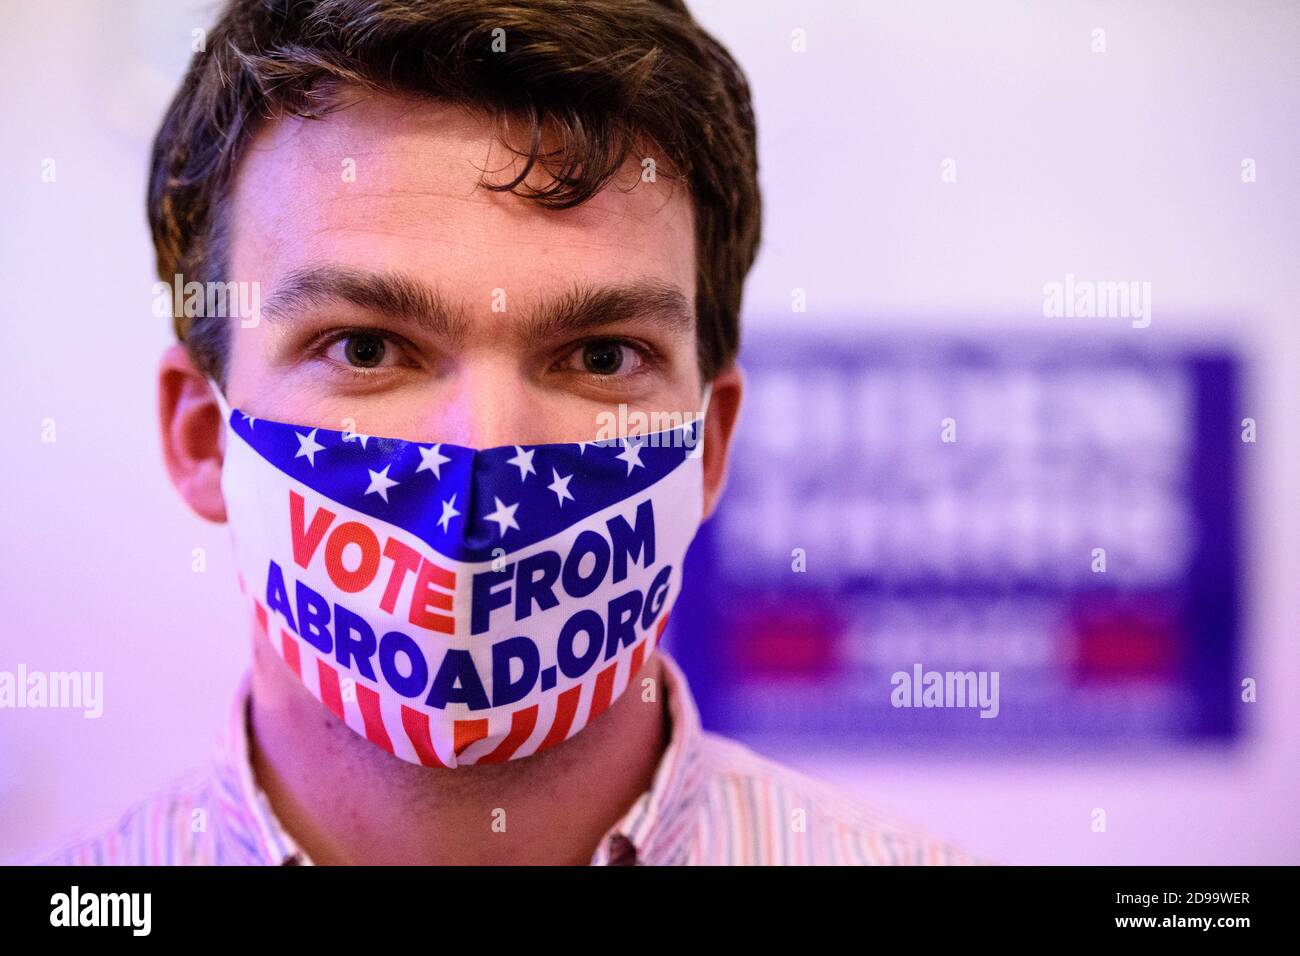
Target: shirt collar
[250,833]
[660,822]
[658,825]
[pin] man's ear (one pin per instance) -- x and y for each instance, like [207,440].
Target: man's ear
[191,433]
[719,429]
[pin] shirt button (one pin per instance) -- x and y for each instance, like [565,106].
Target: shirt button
[621,851]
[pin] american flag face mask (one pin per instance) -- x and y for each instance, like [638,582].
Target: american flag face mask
[455,605]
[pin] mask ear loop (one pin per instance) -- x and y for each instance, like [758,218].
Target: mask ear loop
[698,448]
[221,400]
[225,410]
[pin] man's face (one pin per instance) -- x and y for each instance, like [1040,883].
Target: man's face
[406,301]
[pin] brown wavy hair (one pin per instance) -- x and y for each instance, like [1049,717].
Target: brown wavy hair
[602,75]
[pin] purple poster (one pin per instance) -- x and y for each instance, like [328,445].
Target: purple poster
[1057,528]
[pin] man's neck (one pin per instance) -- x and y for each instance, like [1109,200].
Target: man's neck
[345,801]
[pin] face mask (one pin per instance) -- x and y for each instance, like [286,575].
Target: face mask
[456,605]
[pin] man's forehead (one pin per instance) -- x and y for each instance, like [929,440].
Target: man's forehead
[388,179]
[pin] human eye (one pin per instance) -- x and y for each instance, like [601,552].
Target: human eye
[362,351]
[608,358]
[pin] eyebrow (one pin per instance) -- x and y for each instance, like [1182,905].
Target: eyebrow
[399,296]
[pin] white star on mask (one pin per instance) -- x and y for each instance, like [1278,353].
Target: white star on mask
[632,455]
[432,459]
[448,512]
[523,460]
[560,486]
[504,516]
[308,446]
[380,482]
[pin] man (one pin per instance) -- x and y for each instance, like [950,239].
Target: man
[472,226]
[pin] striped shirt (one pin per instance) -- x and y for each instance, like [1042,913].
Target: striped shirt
[712,801]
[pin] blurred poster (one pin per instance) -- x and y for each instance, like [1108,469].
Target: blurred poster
[1064,519]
